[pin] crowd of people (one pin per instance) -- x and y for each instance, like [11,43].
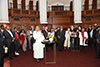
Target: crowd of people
[70,38]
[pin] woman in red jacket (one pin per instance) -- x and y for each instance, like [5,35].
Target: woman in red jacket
[24,41]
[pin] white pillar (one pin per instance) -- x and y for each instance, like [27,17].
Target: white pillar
[4,11]
[43,11]
[77,11]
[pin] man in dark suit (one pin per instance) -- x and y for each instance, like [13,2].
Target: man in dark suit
[92,37]
[45,33]
[61,38]
[9,39]
[89,30]
[1,33]
[2,51]
[98,45]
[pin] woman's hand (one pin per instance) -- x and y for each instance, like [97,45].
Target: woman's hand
[41,33]
[44,40]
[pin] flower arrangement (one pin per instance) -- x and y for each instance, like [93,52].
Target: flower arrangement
[53,37]
[74,34]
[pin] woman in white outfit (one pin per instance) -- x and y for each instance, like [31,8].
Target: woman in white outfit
[38,46]
[67,40]
[83,36]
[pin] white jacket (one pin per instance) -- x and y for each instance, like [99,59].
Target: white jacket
[81,38]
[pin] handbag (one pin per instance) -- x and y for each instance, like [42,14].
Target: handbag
[20,41]
[86,41]
[33,40]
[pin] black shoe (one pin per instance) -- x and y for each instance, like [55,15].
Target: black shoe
[37,61]
[47,50]
[60,50]
[96,58]
[29,49]
[14,56]
[42,59]
[11,58]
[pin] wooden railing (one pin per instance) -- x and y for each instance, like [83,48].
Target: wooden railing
[20,13]
[95,12]
[61,13]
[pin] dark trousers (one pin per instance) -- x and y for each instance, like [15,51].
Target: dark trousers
[60,44]
[11,47]
[52,46]
[17,45]
[84,48]
[46,47]
[98,50]
[1,60]
[72,42]
[92,41]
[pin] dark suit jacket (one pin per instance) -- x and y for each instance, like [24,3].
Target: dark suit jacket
[89,30]
[94,33]
[45,33]
[73,30]
[8,38]
[1,37]
[61,34]
[2,49]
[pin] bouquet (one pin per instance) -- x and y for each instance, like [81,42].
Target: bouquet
[74,34]
[52,37]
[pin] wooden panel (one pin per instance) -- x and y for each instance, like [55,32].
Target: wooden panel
[94,4]
[31,5]
[57,8]
[71,6]
[23,4]
[61,20]
[54,18]
[86,5]
[37,6]
[15,4]
[24,13]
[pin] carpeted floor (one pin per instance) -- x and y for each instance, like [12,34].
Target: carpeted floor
[64,59]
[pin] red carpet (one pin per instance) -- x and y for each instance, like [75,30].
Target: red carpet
[64,59]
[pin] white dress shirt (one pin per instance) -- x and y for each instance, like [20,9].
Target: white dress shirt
[91,33]
[10,33]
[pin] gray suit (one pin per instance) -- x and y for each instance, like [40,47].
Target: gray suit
[29,37]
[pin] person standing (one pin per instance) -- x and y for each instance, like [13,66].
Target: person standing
[83,36]
[16,41]
[2,38]
[29,34]
[98,45]
[67,39]
[9,40]
[3,50]
[38,46]
[72,30]
[45,34]
[23,39]
[61,38]
[92,37]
